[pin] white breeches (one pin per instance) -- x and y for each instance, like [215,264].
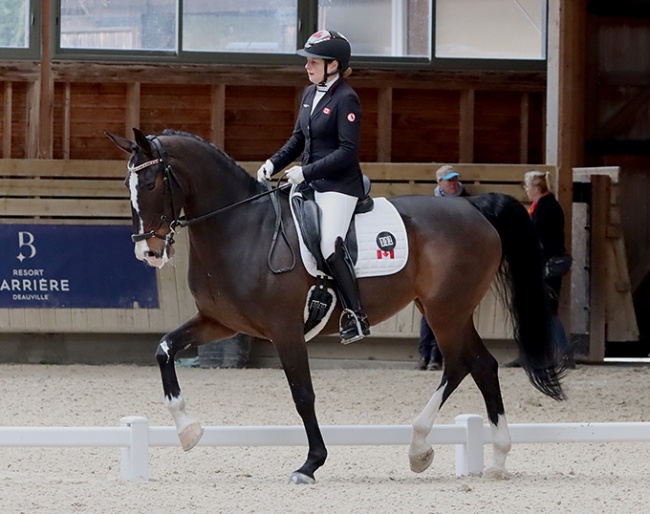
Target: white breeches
[336,212]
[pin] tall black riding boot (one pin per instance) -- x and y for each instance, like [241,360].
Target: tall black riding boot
[356,325]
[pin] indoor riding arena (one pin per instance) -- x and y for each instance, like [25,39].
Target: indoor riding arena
[139,375]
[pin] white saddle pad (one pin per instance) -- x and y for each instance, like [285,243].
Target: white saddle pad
[381,241]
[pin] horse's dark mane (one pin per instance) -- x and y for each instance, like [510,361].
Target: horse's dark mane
[220,152]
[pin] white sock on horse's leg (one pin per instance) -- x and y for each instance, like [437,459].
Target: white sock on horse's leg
[189,429]
[501,443]
[421,452]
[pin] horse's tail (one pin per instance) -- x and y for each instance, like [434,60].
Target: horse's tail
[521,284]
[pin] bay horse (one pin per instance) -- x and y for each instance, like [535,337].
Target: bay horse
[457,248]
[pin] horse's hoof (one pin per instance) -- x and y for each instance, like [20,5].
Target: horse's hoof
[301,479]
[494,473]
[190,435]
[420,463]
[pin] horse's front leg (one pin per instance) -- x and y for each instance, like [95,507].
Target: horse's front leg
[295,362]
[195,332]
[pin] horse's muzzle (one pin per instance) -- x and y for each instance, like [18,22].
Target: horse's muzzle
[155,253]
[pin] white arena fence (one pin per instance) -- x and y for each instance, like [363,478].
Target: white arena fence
[134,436]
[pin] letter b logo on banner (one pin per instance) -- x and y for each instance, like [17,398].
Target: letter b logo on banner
[26,239]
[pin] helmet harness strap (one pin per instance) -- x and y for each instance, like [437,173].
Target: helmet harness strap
[326,74]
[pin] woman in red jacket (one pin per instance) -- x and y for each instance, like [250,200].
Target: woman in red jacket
[548,218]
[326,138]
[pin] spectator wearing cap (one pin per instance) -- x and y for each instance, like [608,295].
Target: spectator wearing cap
[430,355]
[449,182]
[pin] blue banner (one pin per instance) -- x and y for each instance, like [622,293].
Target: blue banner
[73,266]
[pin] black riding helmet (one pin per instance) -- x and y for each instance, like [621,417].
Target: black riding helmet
[328,45]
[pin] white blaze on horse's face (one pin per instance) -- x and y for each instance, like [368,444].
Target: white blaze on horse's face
[142,250]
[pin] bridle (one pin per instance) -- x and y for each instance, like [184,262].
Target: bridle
[177,221]
[169,179]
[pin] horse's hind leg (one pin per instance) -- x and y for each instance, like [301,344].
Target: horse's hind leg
[420,451]
[486,376]
[195,332]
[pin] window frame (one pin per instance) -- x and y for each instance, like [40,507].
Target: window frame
[33,49]
[307,13]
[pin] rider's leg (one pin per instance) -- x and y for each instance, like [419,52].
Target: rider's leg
[356,324]
[336,212]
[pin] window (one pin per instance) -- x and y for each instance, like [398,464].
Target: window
[253,26]
[380,28]
[491,29]
[16,37]
[394,32]
[119,24]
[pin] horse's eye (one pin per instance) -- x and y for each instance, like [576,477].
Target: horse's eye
[147,180]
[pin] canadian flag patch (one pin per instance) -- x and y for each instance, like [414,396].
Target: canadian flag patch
[386,243]
[326,110]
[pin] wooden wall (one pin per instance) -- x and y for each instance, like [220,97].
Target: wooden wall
[618,126]
[91,191]
[412,116]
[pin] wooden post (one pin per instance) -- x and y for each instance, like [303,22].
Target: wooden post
[565,107]
[466,129]
[598,218]
[8,116]
[524,114]
[132,108]
[46,100]
[218,115]
[32,103]
[384,124]
[66,119]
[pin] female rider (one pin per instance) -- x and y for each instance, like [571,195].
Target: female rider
[326,136]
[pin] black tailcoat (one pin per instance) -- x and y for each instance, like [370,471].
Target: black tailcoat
[327,140]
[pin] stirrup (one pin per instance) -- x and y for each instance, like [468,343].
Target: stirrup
[353,321]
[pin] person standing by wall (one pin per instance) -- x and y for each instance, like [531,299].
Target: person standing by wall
[548,218]
[430,356]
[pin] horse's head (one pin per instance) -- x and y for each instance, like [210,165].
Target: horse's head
[156,197]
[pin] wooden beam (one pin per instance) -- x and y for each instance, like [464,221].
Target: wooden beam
[599,207]
[32,103]
[132,118]
[8,116]
[384,124]
[46,106]
[524,115]
[66,119]
[218,114]
[232,74]
[552,81]
[565,106]
[466,126]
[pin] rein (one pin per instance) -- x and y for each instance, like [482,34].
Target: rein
[184,222]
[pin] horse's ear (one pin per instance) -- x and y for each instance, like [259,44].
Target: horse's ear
[122,143]
[142,141]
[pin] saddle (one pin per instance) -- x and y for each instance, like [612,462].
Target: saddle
[307,214]
[321,299]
